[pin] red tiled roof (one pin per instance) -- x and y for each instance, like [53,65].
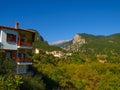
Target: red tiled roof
[10,28]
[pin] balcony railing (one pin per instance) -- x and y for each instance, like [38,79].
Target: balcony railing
[23,60]
[21,43]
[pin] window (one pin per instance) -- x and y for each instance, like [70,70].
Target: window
[21,69]
[24,39]
[11,38]
[8,54]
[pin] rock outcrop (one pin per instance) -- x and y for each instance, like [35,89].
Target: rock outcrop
[78,40]
[74,44]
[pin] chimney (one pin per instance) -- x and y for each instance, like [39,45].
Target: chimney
[16,25]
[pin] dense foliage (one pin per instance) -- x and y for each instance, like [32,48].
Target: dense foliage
[78,72]
[8,79]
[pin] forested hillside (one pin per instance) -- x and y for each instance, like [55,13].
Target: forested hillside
[94,65]
[96,47]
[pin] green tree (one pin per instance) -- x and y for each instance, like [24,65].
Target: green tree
[10,82]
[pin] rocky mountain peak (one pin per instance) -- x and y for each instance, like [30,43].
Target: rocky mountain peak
[78,40]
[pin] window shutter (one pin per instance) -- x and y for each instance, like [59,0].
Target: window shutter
[14,38]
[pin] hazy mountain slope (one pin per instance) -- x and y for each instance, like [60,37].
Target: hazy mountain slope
[60,42]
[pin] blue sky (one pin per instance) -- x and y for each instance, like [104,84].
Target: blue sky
[62,19]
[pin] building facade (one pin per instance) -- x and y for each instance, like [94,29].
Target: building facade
[16,44]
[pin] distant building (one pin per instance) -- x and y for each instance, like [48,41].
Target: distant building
[59,54]
[16,44]
[37,51]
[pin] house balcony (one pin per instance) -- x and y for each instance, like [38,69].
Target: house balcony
[23,44]
[24,61]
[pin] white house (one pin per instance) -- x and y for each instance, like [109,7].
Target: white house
[16,44]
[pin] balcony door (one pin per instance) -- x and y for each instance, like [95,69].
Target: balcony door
[22,55]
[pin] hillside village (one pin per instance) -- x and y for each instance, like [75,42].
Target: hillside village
[59,54]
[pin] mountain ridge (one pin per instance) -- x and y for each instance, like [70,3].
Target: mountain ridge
[59,42]
[82,39]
